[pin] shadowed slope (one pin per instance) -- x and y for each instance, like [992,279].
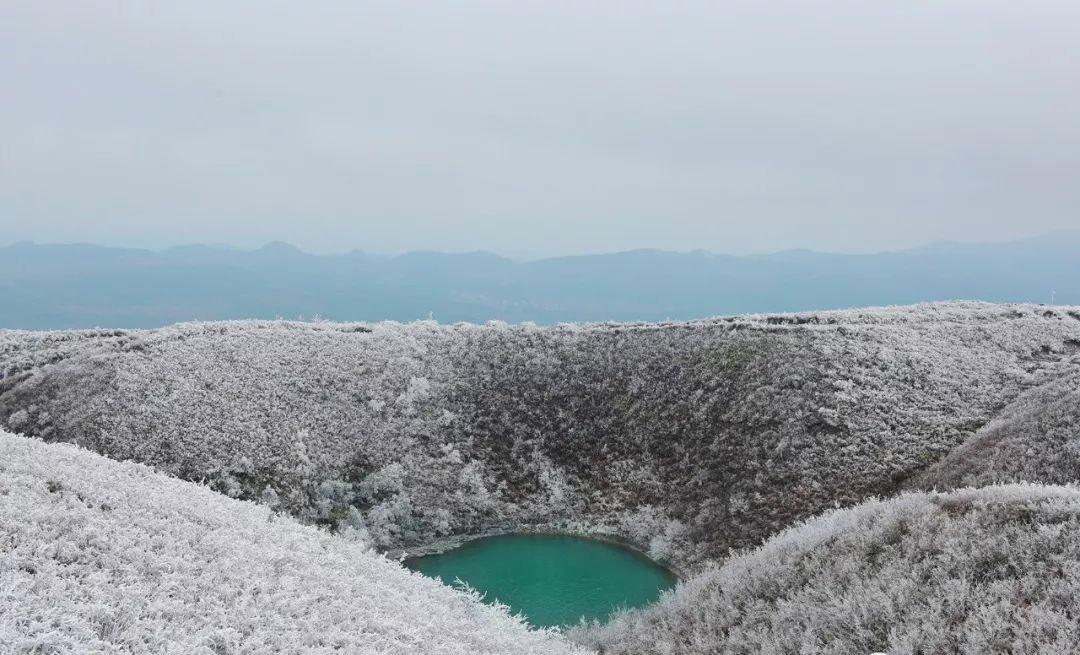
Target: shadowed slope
[1037,437]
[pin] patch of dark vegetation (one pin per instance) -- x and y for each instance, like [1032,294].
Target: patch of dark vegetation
[792,320]
[355,329]
[956,504]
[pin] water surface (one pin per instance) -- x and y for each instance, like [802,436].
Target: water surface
[552,579]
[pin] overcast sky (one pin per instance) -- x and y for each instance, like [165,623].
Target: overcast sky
[539,127]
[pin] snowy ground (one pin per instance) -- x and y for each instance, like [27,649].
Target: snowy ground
[994,570]
[98,556]
[107,557]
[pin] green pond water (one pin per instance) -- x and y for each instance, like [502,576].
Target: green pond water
[551,579]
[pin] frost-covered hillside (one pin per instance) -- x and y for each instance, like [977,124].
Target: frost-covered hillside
[98,556]
[1037,437]
[994,570]
[684,438]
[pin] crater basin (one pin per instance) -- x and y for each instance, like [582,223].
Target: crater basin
[554,580]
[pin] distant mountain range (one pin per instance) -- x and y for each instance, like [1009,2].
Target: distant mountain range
[82,286]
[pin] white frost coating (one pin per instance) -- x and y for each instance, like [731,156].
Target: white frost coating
[757,421]
[104,557]
[993,570]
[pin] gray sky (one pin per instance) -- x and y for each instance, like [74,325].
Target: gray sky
[539,127]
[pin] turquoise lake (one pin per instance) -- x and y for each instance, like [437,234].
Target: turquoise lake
[551,579]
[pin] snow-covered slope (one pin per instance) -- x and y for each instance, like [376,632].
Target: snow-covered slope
[994,570]
[98,556]
[686,438]
[1037,437]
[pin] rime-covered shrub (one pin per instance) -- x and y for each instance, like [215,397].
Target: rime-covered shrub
[994,570]
[98,556]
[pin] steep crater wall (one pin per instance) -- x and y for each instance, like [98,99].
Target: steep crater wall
[686,439]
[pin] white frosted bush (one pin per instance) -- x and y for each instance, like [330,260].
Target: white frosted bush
[270,498]
[387,481]
[662,546]
[19,419]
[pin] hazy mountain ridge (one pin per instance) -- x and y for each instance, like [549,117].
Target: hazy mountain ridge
[84,286]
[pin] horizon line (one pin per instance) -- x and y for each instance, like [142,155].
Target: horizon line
[281,244]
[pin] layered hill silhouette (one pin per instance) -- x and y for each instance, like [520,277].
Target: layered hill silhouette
[85,286]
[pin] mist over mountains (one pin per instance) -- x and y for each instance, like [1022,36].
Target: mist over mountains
[84,286]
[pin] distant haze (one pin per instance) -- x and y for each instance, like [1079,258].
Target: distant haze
[82,286]
[539,127]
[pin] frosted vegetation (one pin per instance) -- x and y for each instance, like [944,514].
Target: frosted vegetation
[408,433]
[109,557]
[1037,437]
[685,439]
[994,570]
[106,557]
